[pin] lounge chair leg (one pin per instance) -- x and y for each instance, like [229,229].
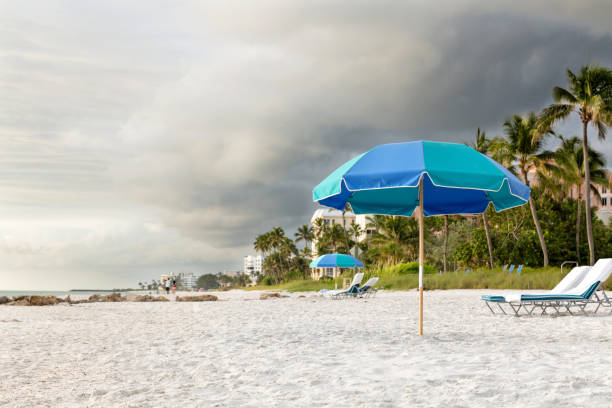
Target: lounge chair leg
[487,303]
[516,310]
[502,310]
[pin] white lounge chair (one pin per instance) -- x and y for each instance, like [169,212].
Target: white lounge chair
[352,289]
[578,289]
[367,289]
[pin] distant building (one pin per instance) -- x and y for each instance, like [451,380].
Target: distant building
[188,280]
[231,274]
[603,204]
[253,266]
[330,217]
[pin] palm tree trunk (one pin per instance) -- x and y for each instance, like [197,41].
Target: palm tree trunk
[587,191]
[534,214]
[539,230]
[578,227]
[445,241]
[346,241]
[488,233]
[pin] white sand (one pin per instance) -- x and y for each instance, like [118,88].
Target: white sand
[307,352]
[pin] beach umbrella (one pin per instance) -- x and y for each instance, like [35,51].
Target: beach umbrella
[435,177]
[336,261]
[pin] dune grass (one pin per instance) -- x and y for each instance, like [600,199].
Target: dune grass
[391,279]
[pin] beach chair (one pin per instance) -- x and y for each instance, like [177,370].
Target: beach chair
[352,290]
[520,268]
[569,282]
[367,289]
[588,290]
[505,268]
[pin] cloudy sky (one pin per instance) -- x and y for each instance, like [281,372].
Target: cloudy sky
[145,137]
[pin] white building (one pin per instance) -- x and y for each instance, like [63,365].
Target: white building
[330,217]
[253,265]
[188,280]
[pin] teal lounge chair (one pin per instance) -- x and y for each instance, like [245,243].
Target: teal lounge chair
[577,289]
[367,289]
[352,290]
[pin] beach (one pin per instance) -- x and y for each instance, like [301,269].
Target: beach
[301,351]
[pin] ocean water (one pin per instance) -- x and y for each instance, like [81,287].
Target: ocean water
[13,293]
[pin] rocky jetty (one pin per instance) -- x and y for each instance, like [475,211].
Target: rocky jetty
[111,297]
[265,296]
[149,298]
[200,298]
[33,301]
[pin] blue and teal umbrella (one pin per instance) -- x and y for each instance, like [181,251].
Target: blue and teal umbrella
[438,178]
[456,180]
[336,261]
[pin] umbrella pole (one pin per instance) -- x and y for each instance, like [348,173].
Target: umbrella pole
[421,256]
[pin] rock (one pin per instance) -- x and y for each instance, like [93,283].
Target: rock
[112,297]
[265,296]
[200,298]
[149,298]
[42,300]
[160,299]
[34,301]
[301,296]
[3,300]
[22,301]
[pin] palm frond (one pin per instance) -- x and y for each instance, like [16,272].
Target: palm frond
[563,95]
[602,129]
[553,113]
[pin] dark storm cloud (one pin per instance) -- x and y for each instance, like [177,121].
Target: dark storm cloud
[292,123]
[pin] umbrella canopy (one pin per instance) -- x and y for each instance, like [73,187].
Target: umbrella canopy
[336,260]
[456,180]
[438,178]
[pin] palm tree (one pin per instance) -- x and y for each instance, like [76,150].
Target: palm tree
[304,233]
[277,238]
[356,233]
[519,152]
[376,221]
[590,96]
[568,174]
[481,145]
[347,208]
[263,243]
[396,240]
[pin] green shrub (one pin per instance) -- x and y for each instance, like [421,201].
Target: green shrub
[267,281]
